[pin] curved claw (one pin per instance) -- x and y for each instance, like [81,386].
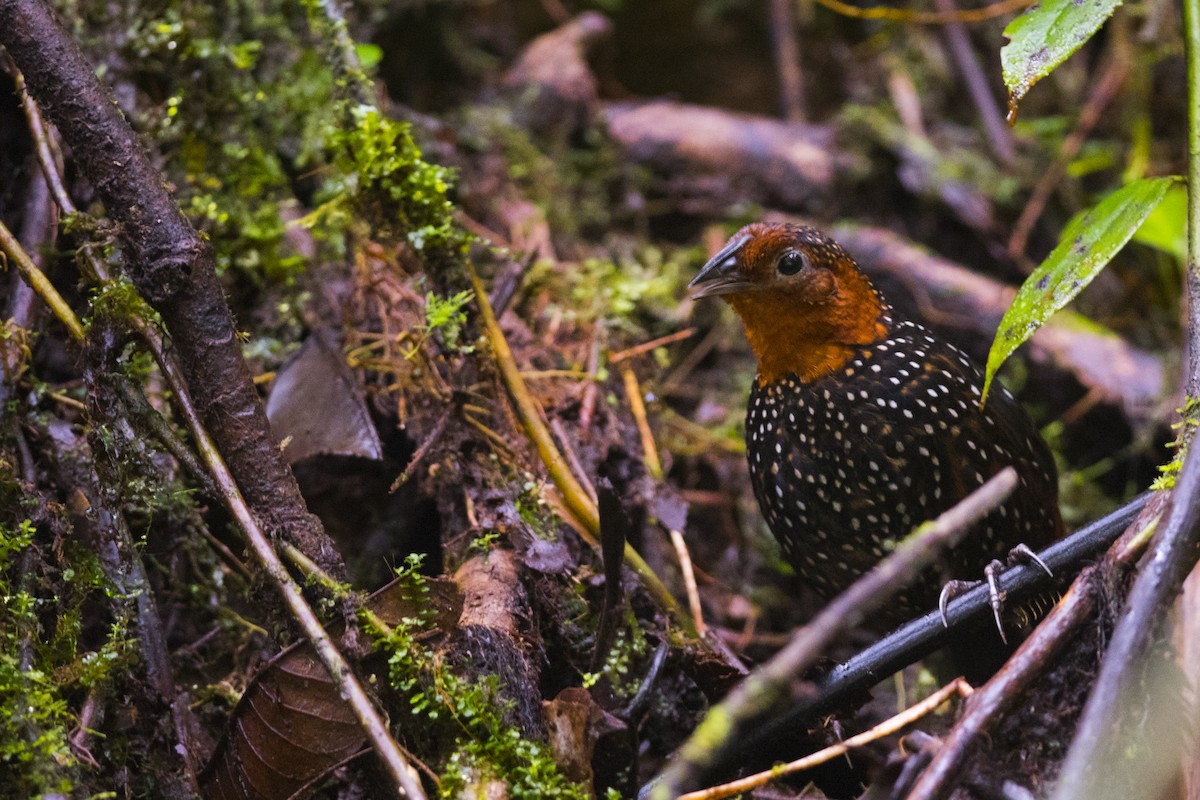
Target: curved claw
[1021,554]
[951,590]
[996,596]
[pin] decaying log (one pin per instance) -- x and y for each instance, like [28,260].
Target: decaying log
[707,156]
[492,639]
[556,91]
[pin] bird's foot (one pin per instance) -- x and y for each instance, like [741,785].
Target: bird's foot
[1021,554]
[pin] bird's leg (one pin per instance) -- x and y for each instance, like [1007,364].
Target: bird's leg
[1021,554]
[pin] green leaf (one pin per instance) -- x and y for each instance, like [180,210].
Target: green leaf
[1088,243]
[1166,227]
[1044,36]
[369,55]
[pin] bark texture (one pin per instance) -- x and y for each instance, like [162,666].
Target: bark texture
[169,263]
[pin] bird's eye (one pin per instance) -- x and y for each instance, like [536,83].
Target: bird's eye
[791,262]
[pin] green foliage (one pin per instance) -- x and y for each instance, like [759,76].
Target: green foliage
[1166,227]
[526,767]
[1088,243]
[246,103]
[629,646]
[254,118]
[34,719]
[446,317]
[381,178]
[471,712]
[1045,35]
[119,299]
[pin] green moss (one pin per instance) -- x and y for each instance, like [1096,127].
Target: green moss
[381,180]
[627,292]
[1186,427]
[243,110]
[629,649]
[444,319]
[35,757]
[471,713]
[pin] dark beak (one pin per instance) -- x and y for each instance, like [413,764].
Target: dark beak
[721,274]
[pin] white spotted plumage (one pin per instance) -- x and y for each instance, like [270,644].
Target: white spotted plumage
[902,450]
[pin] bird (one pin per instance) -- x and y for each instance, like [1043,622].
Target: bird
[862,423]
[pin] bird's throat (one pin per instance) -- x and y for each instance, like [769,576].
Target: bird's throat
[809,341]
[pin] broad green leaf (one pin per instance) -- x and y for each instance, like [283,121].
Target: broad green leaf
[1088,243]
[1044,36]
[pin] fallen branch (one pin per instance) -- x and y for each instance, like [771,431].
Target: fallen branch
[923,636]
[708,156]
[171,265]
[1131,378]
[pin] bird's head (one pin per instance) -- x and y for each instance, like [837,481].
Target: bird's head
[804,302]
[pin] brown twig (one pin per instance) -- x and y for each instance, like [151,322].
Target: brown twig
[638,407]
[1105,90]
[564,439]
[692,360]
[591,390]
[419,454]
[959,43]
[646,347]
[958,686]
[769,684]
[689,580]
[787,59]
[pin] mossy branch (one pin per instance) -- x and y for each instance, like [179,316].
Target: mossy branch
[171,265]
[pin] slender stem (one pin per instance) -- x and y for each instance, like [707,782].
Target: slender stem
[784,42]
[1191,40]
[638,407]
[1118,704]
[401,773]
[40,283]
[575,498]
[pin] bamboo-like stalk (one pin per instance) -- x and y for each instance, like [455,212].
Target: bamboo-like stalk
[39,282]
[575,498]
[1191,40]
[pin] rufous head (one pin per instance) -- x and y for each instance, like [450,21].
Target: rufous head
[805,304]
